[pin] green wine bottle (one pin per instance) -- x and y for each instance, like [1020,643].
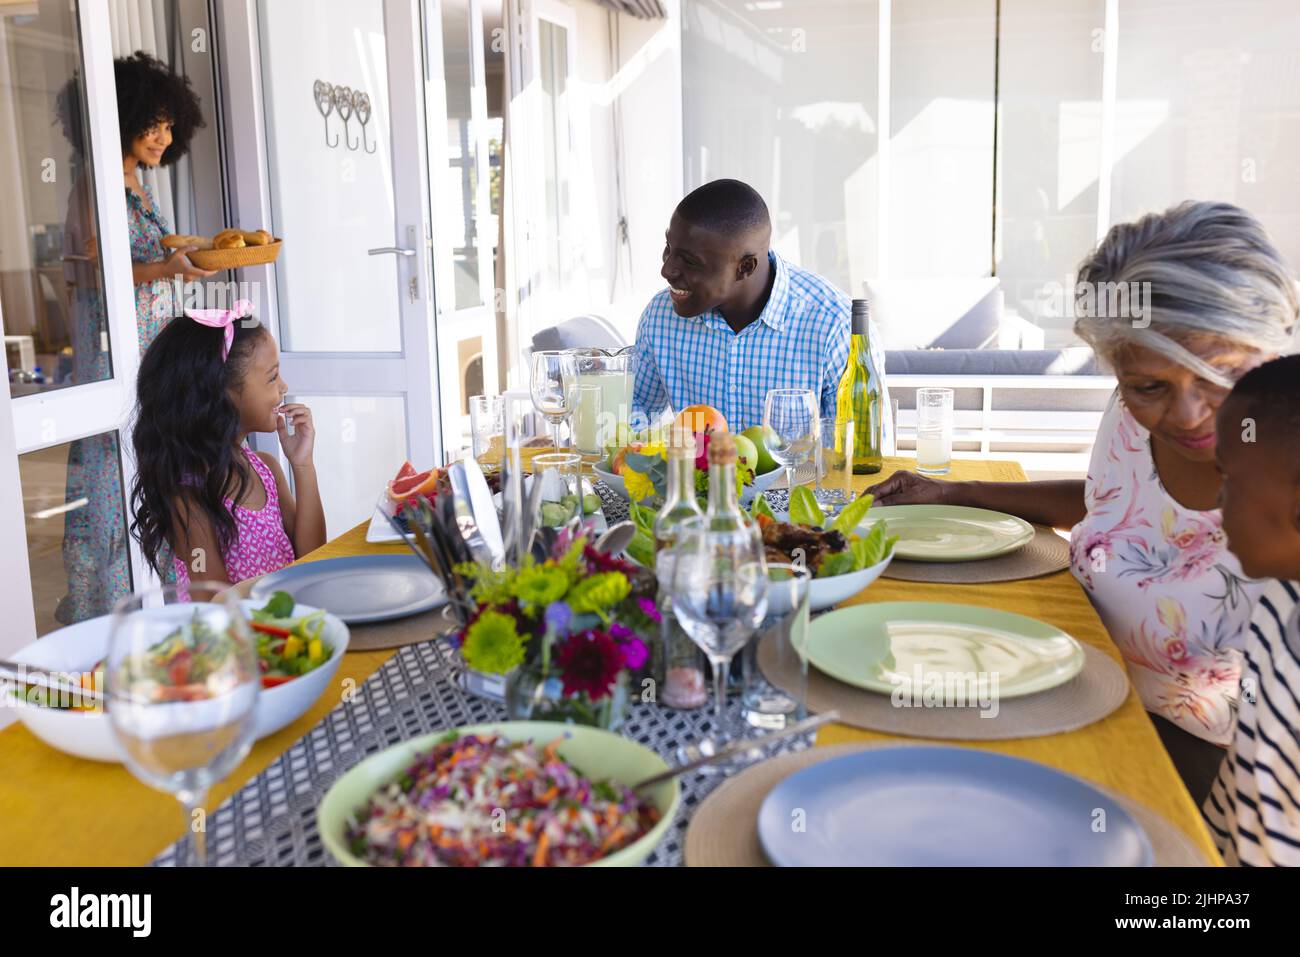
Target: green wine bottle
[860,396]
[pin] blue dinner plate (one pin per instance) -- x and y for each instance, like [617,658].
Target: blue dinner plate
[360,588]
[944,807]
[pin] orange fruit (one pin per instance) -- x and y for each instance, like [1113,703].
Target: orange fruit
[702,418]
[620,457]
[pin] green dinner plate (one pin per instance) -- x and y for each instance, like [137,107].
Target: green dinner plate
[920,647]
[950,533]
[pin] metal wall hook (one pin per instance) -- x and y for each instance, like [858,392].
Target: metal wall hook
[323,93]
[343,105]
[361,107]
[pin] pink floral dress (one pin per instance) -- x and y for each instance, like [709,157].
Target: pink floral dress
[1162,579]
[261,544]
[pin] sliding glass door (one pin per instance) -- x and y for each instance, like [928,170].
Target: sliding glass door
[68,308]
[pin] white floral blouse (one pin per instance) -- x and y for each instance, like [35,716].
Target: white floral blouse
[1162,579]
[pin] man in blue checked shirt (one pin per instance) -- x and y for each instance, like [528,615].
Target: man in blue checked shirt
[738,320]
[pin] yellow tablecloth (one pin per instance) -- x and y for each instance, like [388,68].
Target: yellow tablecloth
[55,809]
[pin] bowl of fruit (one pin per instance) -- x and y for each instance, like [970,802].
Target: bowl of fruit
[636,464]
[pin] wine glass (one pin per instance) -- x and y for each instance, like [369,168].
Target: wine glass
[182,682]
[554,388]
[719,595]
[791,428]
[763,704]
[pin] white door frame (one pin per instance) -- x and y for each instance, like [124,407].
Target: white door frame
[455,325]
[60,416]
[411,374]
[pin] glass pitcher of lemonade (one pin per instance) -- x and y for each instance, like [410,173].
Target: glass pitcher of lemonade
[599,415]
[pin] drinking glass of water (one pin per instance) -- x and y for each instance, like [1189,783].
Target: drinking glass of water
[834,487]
[933,431]
[182,680]
[487,423]
[763,704]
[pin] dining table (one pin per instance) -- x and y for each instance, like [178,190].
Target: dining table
[56,809]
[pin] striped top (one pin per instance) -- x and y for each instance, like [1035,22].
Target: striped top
[799,341]
[1254,807]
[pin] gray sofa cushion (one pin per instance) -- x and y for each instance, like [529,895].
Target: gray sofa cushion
[578,332]
[1074,360]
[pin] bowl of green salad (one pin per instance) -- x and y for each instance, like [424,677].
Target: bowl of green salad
[299,650]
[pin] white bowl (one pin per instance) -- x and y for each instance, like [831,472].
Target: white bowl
[87,734]
[826,593]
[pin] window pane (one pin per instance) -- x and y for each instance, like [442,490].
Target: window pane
[553,43]
[783,96]
[1209,108]
[76,530]
[336,202]
[51,285]
[1049,89]
[941,139]
[358,454]
[458,215]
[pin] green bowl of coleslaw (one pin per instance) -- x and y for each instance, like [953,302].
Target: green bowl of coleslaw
[595,754]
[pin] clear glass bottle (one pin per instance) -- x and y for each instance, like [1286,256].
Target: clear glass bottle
[679,667]
[724,512]
[860,397]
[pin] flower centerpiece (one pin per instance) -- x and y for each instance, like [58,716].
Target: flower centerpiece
[565,631]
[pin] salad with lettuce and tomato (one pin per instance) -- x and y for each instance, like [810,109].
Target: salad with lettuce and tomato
[288,646]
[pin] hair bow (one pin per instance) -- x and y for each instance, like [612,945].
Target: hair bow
[223,319]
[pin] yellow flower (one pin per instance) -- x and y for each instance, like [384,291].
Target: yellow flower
[655,448]
[493,644]
[638,486]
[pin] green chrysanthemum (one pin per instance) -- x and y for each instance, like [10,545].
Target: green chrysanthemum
[599,593]
[540,585]
[492,644]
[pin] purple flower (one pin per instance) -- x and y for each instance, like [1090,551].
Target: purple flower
[558,616]
[649,609]
[635,653]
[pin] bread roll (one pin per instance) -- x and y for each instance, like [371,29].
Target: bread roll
[257,237]
[180,242]
[228,239]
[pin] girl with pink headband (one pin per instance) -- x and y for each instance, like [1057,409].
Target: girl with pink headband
[202,501]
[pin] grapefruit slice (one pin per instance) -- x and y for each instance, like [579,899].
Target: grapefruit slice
[405,472]
[418,483]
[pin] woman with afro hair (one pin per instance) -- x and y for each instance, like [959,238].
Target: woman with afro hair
[158,113]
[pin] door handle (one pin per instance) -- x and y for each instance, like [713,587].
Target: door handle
[395,250]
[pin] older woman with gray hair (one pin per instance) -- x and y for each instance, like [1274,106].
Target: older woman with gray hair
[1146,540]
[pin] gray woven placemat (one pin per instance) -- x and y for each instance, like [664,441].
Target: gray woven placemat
[725,831]
[271,820]
[1094,693]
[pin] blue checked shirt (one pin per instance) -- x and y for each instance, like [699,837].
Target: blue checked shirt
[799,341]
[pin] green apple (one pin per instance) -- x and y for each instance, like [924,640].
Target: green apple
[747,452]
[765,462]
[623,436]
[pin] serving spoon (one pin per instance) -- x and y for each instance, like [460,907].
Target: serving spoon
[51,681]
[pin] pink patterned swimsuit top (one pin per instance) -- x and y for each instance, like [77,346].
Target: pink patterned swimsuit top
[261,544]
